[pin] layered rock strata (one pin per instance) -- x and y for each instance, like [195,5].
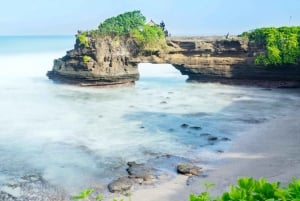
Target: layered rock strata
[204,59]
[104,61]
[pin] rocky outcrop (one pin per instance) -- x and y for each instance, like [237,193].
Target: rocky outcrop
[105,61]
[188,169]
[205,59]
[121,185]
[217,59]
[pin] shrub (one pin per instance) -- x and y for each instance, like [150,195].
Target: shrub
[122,24]
[150,38]
[86,58]
[83,40]
[282,45]
[248,189]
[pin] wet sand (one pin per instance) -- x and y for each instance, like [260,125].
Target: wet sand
[269,150]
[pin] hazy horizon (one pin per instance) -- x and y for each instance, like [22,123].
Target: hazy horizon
[190,17]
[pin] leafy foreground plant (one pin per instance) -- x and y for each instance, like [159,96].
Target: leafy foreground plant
[248,189]
[85,195]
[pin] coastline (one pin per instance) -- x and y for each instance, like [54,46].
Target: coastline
[269,150]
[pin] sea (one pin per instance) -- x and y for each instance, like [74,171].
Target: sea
[58,138]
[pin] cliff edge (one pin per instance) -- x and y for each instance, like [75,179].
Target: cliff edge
[110,54]
[104,61]
[110,61]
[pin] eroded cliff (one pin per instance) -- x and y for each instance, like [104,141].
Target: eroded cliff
[114,61]
[104,61]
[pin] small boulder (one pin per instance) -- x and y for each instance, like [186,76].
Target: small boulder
[184,125]
[140,171]
[225,139]
[205,134]
[196,127]
[188,169]
[120,185]
[212,138]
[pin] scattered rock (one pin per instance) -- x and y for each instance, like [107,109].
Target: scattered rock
[7,197]
[213,138]
[196,127]
[188,169]
[163,102]
[205,134]
[120,185]
[30,187]
[220,151]
[140,171]
[184,125]
[225,139]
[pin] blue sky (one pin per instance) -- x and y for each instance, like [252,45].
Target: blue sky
[182,17]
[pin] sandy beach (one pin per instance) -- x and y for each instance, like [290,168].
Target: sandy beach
[269,150]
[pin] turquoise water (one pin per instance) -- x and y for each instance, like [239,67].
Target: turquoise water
[76,137]
[35,44]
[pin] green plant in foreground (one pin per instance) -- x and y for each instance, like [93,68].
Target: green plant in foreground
[85,195]
[248,189]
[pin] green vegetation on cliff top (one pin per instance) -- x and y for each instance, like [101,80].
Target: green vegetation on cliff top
[129,24]
[282,45]
[122,24]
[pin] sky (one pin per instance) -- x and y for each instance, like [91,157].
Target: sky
[182,17]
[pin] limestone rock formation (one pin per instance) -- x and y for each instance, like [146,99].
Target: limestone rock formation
[105,61]
[217,59]
[109,61]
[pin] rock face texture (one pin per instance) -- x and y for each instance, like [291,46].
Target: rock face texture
[205,59]
[104,62]
[217,59]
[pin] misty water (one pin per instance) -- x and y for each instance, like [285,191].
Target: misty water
[78,137]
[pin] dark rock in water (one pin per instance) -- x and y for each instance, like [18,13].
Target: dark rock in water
[142,127]
[184,125]
[120,185]
[140,171]
[7,197]
[196,127]
[220,151]
[205,134]
[163,102]
[171,130]
[253,121]
[213,138]
[188,169]
[225,139]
